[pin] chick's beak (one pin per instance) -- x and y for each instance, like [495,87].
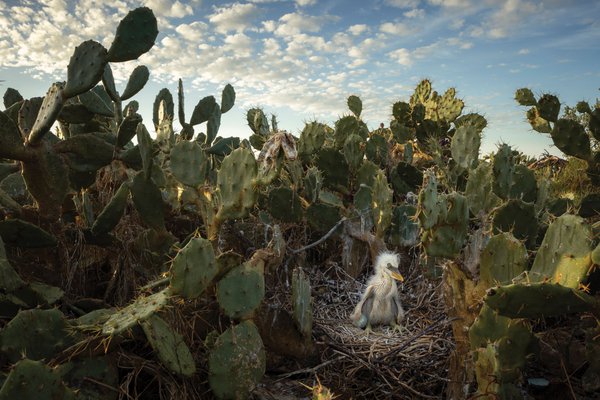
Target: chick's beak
[395,273]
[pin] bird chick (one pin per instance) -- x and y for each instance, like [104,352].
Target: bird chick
[380,303]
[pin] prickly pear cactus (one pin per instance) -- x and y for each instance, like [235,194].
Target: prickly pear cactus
[479,191]
[29,380]
[465,146]
[236,362]
[302,303]
[142,308]
[189,163]
[193,268]
[381,204]
[242,290]
[169,346]
[503,168]
[503,258]
[236,184]
[112,213]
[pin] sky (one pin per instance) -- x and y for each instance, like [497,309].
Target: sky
[301,59]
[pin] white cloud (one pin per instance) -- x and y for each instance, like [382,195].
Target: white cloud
[415,13]
[193,32]
[452,3]
[239,44]
[237,17]
[295,23]
[401,56]
[170,9]
[358,29]
[394,28]
[304,3]
[523,52]
[403,3]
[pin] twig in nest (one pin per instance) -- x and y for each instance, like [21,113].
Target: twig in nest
[324,238]
[308,370]
[415,337]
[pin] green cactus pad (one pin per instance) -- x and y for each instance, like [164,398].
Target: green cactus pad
[302,303]
[29,380]
[465,146]
[137,80]
[95,104]
[381,204]
[135,35]
[525,97]
[548,107]
[16,232]
[164,95]
[404,230]
[489,327]
[447,237]
[313,181]
[11,141]
[322,217]
[594,123]
[146,149]
[570,137]
[428,209]
[519,218]
[406,178]
[355,105]
[27,115]
[346,126]
[169,346]
[236,184]
[224,146]
[377,150]
[86,152]
[91,378]
[242,290]
[112,212]
[193,268]
[401,133]
[503,165]
[284,204]
[503,258]
[565,253]
[128,129]
[524,185]
[421,93]
[401,112]
[49,110]
[334,167]
[85,68]
[475,120]
[189,163]
[203,110]
[142,308]
[227,98]
[479,190]
[36,333]
[258,122]
[311,139]
[212,125]
[148,201]
[538,300]
[9,279]
[354,151]
[108,81]
[237,362]
[11,96]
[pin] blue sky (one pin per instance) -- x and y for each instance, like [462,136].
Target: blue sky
[301,59]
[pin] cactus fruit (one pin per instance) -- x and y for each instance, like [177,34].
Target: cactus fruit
[381,204]
[85,68]
[479,190]
[189,163]
[355,105]
[284,204]
[564,256]
[570,137]
[169,346]
[465,146]
[148,201]
[29,380]
[16,232]
[237,362]
[193,268]
[36,333]
[135,35]
[502,259]
[302,303]
[128,317]
[242,290]
[137,80]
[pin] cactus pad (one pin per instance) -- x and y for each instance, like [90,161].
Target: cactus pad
[193,268]
[302,303]
[189,163]
[140,309]
[502,259]
[570,137]
[135,35]
[236,184]
[30,380]
[85,68]
[242,290]
[137,80]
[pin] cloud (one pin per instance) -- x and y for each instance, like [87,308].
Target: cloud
[394,28]
[402,3]
[358,29]
[237,17]
[170,9]
[452,3]
[415,13]
[304,3]
[401,56]
[193,32]
[522,52]
[295,23]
